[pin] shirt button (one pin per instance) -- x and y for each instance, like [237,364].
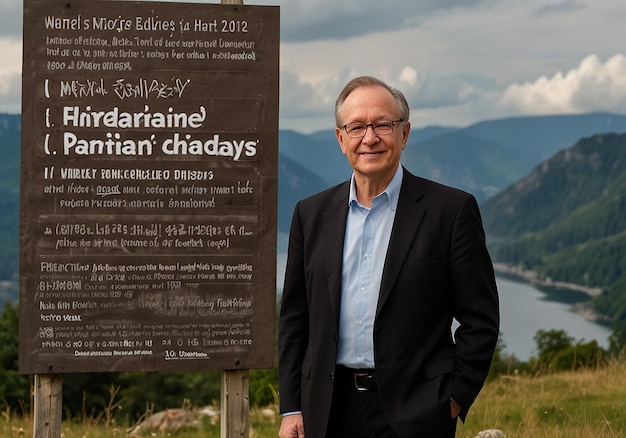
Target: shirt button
[367,256]
[362,289]
[359,321]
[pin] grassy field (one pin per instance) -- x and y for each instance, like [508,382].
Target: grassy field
[585,403]
[588,403]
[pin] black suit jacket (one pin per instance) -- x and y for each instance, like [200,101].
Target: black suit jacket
[437,268]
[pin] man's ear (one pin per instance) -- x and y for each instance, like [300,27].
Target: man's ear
[340,134]
[406,129]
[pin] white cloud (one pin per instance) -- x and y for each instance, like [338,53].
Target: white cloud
[10,75]
[303,99]
[307,106]
[409,75]
[461,98]
[454,59]
[592,86]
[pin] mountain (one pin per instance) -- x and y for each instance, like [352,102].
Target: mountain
[483,158]
[477,165]
[319,153]
[486,157]
[9,204]
[296,182]
[10,131]
[568,216]
[566,221]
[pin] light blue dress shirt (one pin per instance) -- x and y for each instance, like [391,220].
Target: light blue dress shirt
[365,247]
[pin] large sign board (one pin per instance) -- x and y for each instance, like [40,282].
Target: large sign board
[149,186]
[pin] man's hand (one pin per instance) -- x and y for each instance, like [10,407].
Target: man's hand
[455,409]
[292,426]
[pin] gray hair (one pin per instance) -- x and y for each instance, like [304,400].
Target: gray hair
[370,81]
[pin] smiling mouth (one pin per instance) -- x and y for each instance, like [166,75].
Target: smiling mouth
[371,154]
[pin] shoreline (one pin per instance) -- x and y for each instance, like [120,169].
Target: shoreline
[533,278]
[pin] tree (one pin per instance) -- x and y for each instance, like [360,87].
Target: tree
[550,343]
[503,363]
[263,386]
[161,390]
[14,388]
[581,355]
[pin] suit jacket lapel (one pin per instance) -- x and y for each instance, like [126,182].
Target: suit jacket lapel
[409,216]
[333,233]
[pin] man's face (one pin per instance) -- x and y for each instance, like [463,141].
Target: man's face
[372,156]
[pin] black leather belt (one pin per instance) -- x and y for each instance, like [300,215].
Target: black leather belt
[362,380]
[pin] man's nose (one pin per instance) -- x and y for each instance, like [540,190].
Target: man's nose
[370,134]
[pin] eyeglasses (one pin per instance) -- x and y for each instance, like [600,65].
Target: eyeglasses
[380,127]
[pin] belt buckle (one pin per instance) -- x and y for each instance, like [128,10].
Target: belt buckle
[361,388]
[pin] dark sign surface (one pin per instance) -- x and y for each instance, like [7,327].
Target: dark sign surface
[149,186]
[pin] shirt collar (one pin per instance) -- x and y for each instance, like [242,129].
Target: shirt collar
[392,191]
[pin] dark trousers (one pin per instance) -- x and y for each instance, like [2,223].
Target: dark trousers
[356,414]
[359,414]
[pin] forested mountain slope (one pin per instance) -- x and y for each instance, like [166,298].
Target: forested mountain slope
[566,220]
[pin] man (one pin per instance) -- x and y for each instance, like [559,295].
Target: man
[377,268]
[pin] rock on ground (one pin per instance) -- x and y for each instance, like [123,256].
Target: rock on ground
[491,433]
[170,420]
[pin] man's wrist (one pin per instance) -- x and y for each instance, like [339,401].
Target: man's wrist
[286,414]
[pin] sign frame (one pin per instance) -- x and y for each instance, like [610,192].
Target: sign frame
[95,150]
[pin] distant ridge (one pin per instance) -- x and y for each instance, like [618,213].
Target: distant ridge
[486,157]
[483,158]
[574,198]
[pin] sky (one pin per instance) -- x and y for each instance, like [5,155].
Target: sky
[457,61]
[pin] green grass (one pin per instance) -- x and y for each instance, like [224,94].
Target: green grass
[588,403]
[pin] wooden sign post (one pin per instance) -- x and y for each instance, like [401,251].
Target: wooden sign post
[235,403]
[48,406]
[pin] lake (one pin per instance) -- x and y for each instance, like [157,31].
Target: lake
[524,310]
